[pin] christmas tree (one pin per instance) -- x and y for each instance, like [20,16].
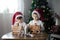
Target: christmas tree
[48,19]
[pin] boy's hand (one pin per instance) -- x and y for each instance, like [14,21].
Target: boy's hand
[15,28]
[16,24]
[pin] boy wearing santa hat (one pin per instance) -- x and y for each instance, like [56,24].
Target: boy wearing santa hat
[36,15]
[19,26]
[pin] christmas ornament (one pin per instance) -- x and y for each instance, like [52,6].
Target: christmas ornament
[34,4]
[32,1]
[49,28]
[47,8]
[42,6]
[43,10]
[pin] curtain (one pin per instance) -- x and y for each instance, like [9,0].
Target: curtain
[7,9]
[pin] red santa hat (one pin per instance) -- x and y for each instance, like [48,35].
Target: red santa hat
[17,14]
[39,12]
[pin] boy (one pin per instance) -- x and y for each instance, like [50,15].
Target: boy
[36,19]
[19,27]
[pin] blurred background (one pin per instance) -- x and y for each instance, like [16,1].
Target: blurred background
[9,7]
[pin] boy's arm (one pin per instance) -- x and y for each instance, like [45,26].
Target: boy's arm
[15,27]
[42,27]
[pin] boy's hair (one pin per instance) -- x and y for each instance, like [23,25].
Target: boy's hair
[19,17]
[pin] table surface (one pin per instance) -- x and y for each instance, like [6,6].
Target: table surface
[42,36]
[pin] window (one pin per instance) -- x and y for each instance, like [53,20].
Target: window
[8,5]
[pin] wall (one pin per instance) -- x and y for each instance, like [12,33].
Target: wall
[27,6]
[1,25]
[55,5]
[5,23]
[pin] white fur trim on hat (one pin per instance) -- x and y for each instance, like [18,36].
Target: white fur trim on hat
[18,16]
[36,13]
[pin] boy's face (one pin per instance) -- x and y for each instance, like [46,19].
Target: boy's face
[35,16]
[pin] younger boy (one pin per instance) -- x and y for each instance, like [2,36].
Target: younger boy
[19,26]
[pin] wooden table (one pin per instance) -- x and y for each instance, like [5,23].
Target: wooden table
[8,36]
